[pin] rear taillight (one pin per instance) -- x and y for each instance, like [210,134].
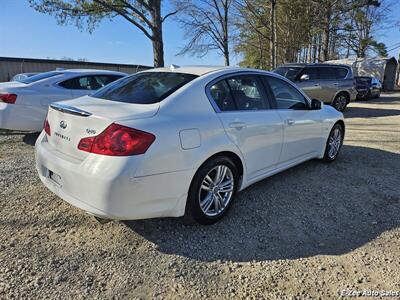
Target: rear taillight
[118,140]
[46,127]
[8,98]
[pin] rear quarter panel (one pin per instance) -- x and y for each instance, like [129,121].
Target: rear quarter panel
[347,86]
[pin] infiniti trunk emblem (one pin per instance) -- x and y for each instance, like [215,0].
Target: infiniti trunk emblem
[63,124]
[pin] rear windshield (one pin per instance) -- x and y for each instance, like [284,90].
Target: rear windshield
[40,76]
[289,72]
[144,88]
[364,80]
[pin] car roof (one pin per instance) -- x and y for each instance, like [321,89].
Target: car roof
[313,65]
[94,71]
[194,70]
[28,73]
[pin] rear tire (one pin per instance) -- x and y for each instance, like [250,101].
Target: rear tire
[340,102]
[334,143]
[212,191]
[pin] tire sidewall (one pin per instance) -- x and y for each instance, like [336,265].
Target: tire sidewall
[326,155]
[336,99]
[193,210]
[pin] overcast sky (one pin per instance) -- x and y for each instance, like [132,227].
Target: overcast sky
[27,33]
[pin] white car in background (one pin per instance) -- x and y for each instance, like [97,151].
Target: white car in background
[181,140]
[24,104]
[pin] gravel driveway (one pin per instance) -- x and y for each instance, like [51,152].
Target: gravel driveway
[309,232]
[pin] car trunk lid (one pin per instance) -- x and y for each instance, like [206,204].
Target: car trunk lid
[11,84]
[70,121]
[11,87]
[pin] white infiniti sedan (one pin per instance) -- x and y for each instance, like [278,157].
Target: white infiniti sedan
[180,141]
[24,104]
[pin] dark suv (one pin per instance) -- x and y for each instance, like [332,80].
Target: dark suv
[333,84]
[367,87]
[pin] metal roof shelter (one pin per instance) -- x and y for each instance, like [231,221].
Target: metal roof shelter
[383,68]
[10,66]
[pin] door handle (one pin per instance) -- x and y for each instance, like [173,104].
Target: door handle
[237,125]
[290,122]
[316,84]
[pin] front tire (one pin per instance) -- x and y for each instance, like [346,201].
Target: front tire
[212,191]
[340,102]
[334,143]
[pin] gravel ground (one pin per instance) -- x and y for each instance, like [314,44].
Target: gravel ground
[309,232]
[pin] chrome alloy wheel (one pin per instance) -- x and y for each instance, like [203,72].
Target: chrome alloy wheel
[335,141]
[216,190]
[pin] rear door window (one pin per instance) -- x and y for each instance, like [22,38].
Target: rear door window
[288,72]
[91,82]
[248,93]
[77,83]
[341,73]
[221,94]
[144,88]
[243,92]
[327,73]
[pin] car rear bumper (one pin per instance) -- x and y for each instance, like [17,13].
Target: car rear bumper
[107,188]
[21,117]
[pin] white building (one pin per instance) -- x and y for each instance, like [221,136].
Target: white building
[383,68]
[9,66]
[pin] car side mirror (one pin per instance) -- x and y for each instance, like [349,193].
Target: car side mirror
[305,77]
[316,104]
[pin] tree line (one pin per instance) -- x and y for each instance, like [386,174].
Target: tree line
[263,33]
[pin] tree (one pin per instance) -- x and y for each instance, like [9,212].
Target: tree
[272,32]
[362,23]
[207,26]
[255,38]
[145,15]
[333,13]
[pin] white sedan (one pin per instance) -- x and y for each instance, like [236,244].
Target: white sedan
[180,141]
[24,104]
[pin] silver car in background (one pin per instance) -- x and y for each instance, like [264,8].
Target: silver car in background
[332,84]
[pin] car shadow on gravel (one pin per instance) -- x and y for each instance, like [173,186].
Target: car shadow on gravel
[30,138]
[363,112]
[312,209]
